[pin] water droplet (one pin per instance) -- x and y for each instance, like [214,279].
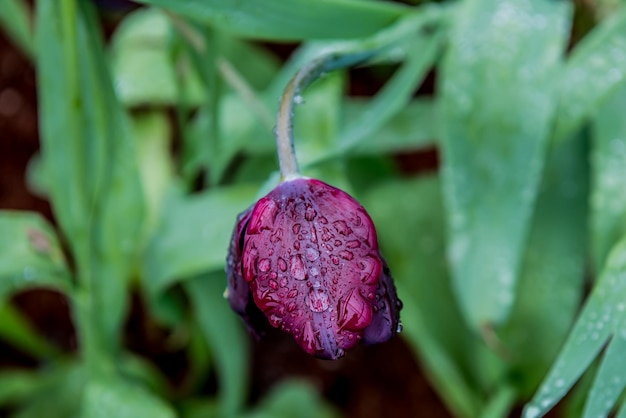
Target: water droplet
[297,268]
[353,244]
[310,214]
[337,243]
[312,254]
[318,300]
[263,216]
[264,265]
[295,228]
[371,268]
[296,245]
[354,312]
[282,264]
[273,285]
[29,273]
[346,255]
[532,412]
[298,99]
[273,275]
[342,227]
[334,259]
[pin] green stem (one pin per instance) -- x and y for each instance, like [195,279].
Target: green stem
[292,96]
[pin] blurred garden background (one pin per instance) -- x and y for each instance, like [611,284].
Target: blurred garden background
[486,138]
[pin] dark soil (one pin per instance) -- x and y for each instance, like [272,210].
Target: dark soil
[375,381]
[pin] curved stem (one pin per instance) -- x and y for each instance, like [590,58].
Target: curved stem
[284,122]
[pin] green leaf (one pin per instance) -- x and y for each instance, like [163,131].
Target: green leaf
[16,329]
[596,69]
[293,20]
[226,338]
[413,127]
[193,237]
[497,101]
[602,320]
[608,194]
[551,280]
[410,224]
[57,394]
[15,20]
[120,399]
[30,255]
[90,157]
[293,398]
[152,133]
[142,62]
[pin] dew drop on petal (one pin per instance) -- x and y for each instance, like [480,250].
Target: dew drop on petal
[310,214]
[346,255]
[318,300]
[297,268]
[342,227]
[282,264]
[264,265]
[312,254]
[370,269]
[354,312]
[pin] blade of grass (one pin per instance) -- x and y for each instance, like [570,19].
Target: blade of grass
[289,20]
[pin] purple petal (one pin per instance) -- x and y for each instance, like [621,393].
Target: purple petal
[308,255]
[386,320]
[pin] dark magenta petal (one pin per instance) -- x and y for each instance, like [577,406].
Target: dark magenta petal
[307,254]
[239,296]
[386,319]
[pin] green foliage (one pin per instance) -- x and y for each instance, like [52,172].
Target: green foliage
[153,142]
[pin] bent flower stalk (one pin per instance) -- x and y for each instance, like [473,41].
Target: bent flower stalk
[305,258]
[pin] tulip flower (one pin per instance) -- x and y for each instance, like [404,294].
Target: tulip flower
[305,259]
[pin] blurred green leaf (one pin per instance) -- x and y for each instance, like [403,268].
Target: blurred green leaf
[120,399]
[153,136]
[15,20]
[193,237]
[551,280]
[595,69]
[317,118]
[143,67]
[410,223]
[497,102]
[608,194]
[293,398]
[602,320]
[89,155]
[226,338]
[412,127]
[17,330]
[58,393]
[293,20]
[30,255]
[396,94]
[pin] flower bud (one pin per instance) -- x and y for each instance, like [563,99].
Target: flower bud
[306,257]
